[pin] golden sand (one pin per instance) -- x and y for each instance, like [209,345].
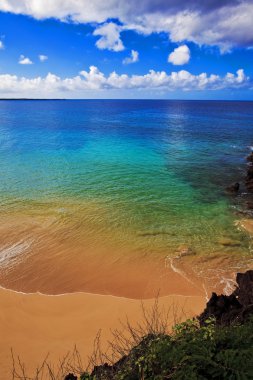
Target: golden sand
[35,325]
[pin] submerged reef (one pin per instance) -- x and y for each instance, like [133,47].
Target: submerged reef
[244,188]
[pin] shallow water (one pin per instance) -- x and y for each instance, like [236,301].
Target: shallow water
[92,187]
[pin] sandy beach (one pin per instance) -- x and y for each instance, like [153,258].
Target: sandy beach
[35,325]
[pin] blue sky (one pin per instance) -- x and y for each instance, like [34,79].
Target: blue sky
[59,48]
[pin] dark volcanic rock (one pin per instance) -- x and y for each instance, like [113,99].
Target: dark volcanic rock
[102,370]
[244,291]
[250,157]
[234,188]
[234,308]
[184,250]
[107,369]
[249,205]
[249,184]
[249,173]
[223,308]
[249,176]
[70,376]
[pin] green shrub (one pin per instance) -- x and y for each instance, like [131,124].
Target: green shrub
[191,352]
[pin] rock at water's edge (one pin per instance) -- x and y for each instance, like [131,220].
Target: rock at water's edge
[235,308]
[234,188]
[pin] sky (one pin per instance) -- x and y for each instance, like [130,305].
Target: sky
[168,49]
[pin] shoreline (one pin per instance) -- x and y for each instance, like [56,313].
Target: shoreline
[38,293]
[183,275]
[34,324]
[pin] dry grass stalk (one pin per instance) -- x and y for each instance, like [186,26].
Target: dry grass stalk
[154,321]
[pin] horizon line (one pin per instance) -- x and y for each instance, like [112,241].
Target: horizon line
[126,99]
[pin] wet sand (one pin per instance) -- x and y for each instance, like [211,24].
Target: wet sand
[35,325]
[110,283]
[39,257]
[77,248]
[138,278]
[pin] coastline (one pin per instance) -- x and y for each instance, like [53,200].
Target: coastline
[35,324]
[156,230]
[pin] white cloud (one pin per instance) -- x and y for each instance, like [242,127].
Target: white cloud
[132,59]
[224,23]
[180,56]
[110,37]
[24,60]
[94,81]
[43,58]
[1,45]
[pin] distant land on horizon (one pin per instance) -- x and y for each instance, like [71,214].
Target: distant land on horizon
[31,99]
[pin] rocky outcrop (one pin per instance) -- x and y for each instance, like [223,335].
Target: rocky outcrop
[250,157]
[249,176]
[70,376]
[249,205]
[107,371]
[235,308]
[247,183]
[244,189]
[244,291]
[234,188]
[184,250]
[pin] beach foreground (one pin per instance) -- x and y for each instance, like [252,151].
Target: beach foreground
[35,325]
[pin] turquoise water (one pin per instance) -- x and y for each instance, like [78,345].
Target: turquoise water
[149,175]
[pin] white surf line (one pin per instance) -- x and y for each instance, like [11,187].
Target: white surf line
[240,227]
[229,282]
[93,294]
[26,244]
[176,270]
[16,249]
[206,293]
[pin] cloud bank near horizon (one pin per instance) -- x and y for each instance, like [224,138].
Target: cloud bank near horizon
[212,22]
[86,81]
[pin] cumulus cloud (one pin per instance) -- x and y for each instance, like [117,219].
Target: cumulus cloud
[43,58]
[24,60]
[225,23]
[180,56]
[94,80]
[1,45]
[110,37]
[134,57]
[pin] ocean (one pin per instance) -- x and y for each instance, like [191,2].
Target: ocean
[93,190]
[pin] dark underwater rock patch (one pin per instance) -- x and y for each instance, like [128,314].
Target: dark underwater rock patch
[234,188]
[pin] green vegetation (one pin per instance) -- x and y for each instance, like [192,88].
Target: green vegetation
[191,352]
